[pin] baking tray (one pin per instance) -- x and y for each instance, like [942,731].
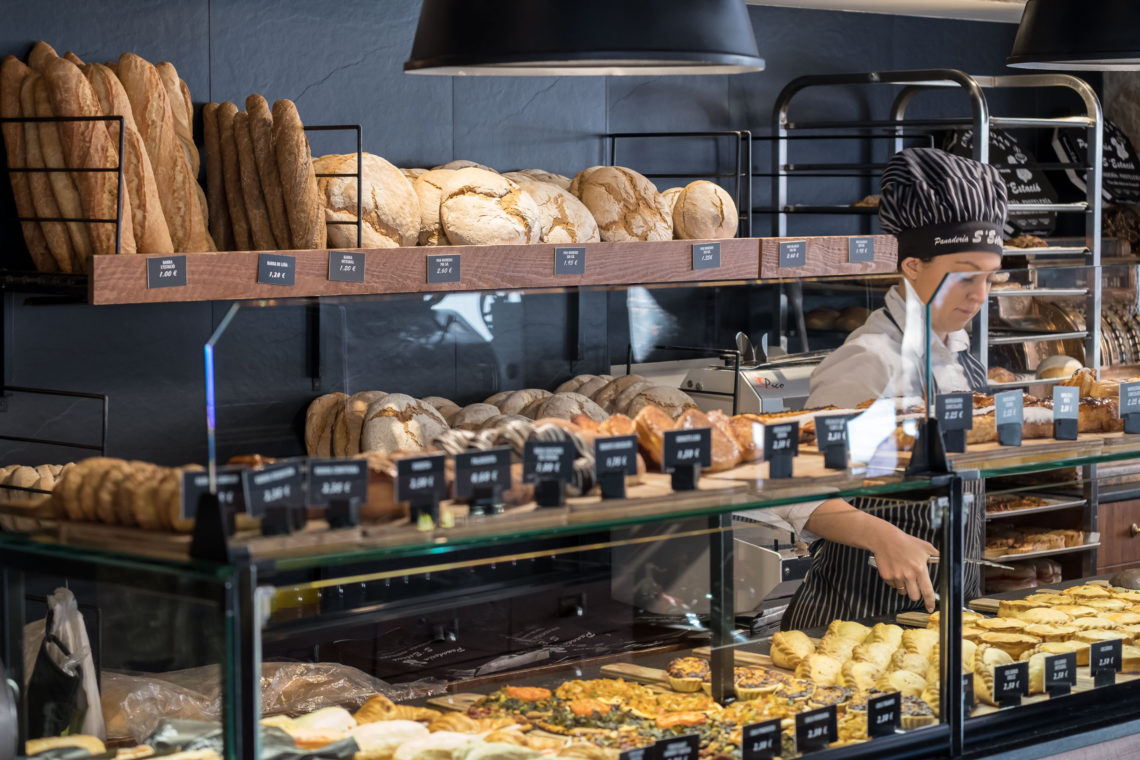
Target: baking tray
[1044,553]
[1055,502]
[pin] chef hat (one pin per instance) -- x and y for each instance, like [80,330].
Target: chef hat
[938,203]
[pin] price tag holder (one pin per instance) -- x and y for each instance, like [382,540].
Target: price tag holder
[615,458]
[706,256]
[968,689]
[815,729]
[1011,683]
[231,494]
[549,465]
[860,250]
[274,494]
[569,261]
[831,439]
[1130,407]
[346,266]
[793,254]
[883,714]
[686,452]
[166,272]
[276,269]
[339,486]
[421,482]
[681,748]
[955,414]
[762,741]
[640,753]
[1060,674]
[1105,661]
[444,268]
[481,477]
[1009,409]
[1066,408]
[781,444]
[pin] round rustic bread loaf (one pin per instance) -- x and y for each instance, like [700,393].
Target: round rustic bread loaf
[398,422]
[670,195]
[479,207]
[566,405]
[461,163]
[672,401]
[346,431]
[704,210]
[413,173]
[606,395]
[391,211]
[564,218]
[576,183]
[496,399]
[592,386]
[519,400]
[445,406]
[428,187]
[625,204]
[574,383]
[544,176]
[472,416]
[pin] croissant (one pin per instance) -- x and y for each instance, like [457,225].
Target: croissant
[494,724]
[407,712]
[454,721]
[375,709]
[516,738]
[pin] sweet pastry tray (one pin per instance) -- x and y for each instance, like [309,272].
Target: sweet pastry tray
[1049,552]
[1055,502]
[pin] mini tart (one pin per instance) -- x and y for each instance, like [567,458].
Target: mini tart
[796,690]
[753,682]
[1088,591]
[1077,610]
[1123,618]
[1064,647]
[1051,632]
[916,713]
[1095,636]
[1044,615]
[1108,605]
[686,673]
[824,696]
[1013,644]
[1093,623]
[1002,625]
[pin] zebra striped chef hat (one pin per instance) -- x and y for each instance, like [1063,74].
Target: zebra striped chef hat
[937,203]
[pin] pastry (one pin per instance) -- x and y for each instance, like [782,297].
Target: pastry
[1044,615]
[752,682]
[651,425]
[886,633]
[1093,623]
[725,453]
[1050,632]
[916,713]
[1107,605]
[877,652]
[790,648]
[1076,610]
[836,646]
[1012,644]
[912,661]
[848,629]
[860,676]
[1002,625]
[1097,635]
[920,641]
[1064,647]
[903,681]
[820,669]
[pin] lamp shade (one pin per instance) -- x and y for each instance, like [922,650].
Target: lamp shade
[1093,35]
[583,37]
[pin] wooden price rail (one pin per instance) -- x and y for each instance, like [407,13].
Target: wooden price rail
[234,275]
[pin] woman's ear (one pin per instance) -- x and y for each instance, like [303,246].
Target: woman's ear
[911,268]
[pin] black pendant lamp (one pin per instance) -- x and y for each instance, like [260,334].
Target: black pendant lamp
[1092,35]
[583,38]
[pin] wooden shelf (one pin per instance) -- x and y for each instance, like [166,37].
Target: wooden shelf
[233,275]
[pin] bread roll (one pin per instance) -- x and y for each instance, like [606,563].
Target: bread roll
[182,111]
[391,210]
[413,173]
[564,219]
[574,383]
[257,215]
[261,133]
[231,176]
[479,207]
[298,180]
[318,418]
[517,401]
[221,228]
[702,210]
[625,204]
[429,188]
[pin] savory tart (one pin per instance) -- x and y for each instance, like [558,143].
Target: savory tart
[752,682]
[916,713]
[686,673]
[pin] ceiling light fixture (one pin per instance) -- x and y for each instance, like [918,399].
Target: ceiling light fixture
[1082,35]
[583,38]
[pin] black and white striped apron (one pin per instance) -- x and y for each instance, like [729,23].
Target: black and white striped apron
[842,584]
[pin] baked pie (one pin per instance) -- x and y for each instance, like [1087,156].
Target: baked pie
[687,673]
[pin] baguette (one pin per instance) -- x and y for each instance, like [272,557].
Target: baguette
[260,231]
[151,232]
[298,180]
[39,184]
[181,111]
[231,175]
[12,74]
[177,188]
[41,55]
[261,133]
[220,226]
[76,60]
[87,145]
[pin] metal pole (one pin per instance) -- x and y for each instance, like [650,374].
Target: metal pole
[950,623]
[721,613]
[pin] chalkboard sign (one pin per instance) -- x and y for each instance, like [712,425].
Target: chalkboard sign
[781,444]
[1130,407]
[1066,409]
[166,271]
[1105,661]
[1120,169]
[955,414]
[1009,410]
[614,459]
[346,266]
[706,256]
[793,254]
[883,714]
[1011,683]
[681,748]
[831,439]
[815,729]
[685,453]
[761,741]
[1060,674]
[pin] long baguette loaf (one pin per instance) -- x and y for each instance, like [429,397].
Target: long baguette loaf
[259,229]
[298,180]
[152,235]
[231,173]
[183,115]
[177,188]
[87,145]
[261,133]
[12,74]
[220,227]
[39,184]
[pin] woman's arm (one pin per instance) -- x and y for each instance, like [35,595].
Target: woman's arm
[901,557]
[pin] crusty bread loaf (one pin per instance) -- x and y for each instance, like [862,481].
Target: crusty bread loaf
[620,403]
[605,397]
[398,422]
[670,195]
[445,406]
[480,207]
[625,204]
[651,424]
[391,212]
[472,416]
[544,176]
[429,187]
[520,400]
[12,73]
[231,176]
[574,383]
[221,228]
[261,132]
[704,210]
[566,405]
[673,401]
[349,424]
[298,181]
[576,183]
[260,231]
[317,419]
[182,111]
[41,55]
[39,184]
[412,173]
[151,232]
[461,163]
[564,218]
[178,189]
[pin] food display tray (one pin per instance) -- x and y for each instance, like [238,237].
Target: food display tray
[1055,502]
[1005,558]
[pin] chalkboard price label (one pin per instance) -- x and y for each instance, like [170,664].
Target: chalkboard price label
[1130,407]
[1011,683]
[482,471]
[681,748]
[762,741]
[1009,409]
[231,495]
[793,254]
[166,271]
[346,266]
[276,269]
[615,458]
[831,439]
[640,753]
[1060,673]
[1066,409]
[1105,661]
[443,268]
[883,714]
[337,480]
[686,448]
[421,479]
[781,444]
[860,250]
[569,261]
[278,486]
[815,729]
[955,414]
[706,256]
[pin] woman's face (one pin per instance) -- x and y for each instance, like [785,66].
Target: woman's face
[968,279]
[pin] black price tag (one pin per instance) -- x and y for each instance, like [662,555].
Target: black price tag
[686,448]
[548,460]
[1105,661]
[444,268]
[337,480]
[231,495]
[1066,409]
[831,439]
[278,486]
[955,414]
[276,269]
[762,741]
[815,729]
[968,689]
[860,250]
[706,255]
[346,266]
[570,261]
[1130,406]
[781,444]
[883,714]
[640,753]
[166,271]
[681,748]
[477,472]
[1011,683]
[614,459]
[421,479]
[1009,412]
[1060,673]
[793,254]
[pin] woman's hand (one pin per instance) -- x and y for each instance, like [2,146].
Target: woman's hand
[902,561]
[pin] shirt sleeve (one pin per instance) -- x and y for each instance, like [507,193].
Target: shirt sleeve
[794,517]
[855,372]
